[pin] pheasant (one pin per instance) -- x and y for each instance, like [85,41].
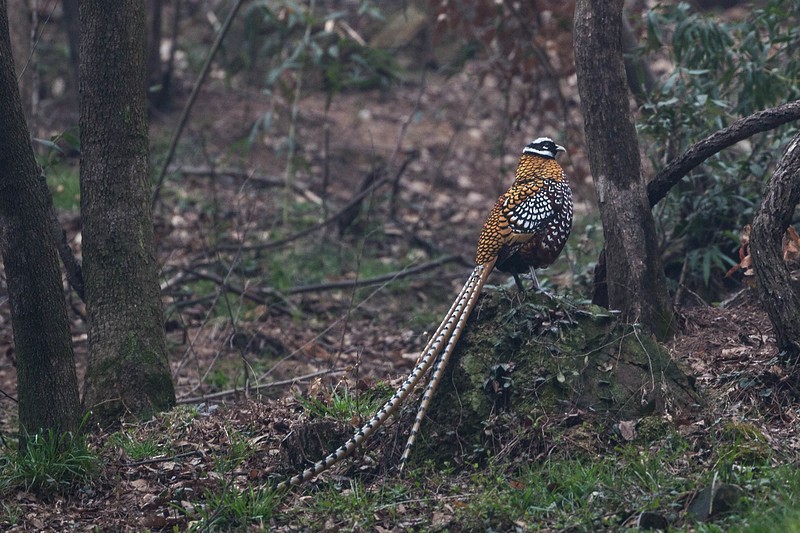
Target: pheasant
[526,229]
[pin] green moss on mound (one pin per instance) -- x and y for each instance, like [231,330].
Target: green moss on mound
[529,361]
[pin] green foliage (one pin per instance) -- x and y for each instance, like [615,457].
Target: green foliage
[218,379]
[64,183]
[723,70]
[237,450]
[315,262]
[50,463]
[741,443]
[291,37]
[603,492]
[233,509]
[343,406]
[62,178]
[586,495]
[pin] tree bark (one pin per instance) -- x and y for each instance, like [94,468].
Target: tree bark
[636,283]
[128,371]
[46,381]
[766,246]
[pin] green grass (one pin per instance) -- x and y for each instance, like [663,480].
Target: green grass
[10,514]
[50,463]
[219,379]
[342,405]
[232,509]
[352,507]
[237,449]
[137,450]
[602,493]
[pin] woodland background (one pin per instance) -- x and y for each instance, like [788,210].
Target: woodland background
[317,217]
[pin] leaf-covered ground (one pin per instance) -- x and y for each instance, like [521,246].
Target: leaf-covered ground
[259,291]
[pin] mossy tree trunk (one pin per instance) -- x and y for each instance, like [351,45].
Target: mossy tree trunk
[128,371]
[635,278]
[46,381]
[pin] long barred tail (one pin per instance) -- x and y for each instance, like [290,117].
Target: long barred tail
[441,363]
[453,320]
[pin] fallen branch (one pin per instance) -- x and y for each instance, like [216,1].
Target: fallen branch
[346,284]
[161,459]
[259,179]
[244,293]
[281,383]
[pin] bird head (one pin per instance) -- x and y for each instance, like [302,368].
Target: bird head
[544,147]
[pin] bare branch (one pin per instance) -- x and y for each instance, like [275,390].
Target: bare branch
[319,287]
[244,292]
[190,103]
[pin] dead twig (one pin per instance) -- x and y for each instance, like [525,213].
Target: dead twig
[299,187]
[259,297]
[281,383]
[190,103]
[161,459]
[345,284]
[309,230]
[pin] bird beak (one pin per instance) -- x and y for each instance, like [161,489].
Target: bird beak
[560,148]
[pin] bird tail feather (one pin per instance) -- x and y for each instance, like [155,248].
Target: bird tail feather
[454,321]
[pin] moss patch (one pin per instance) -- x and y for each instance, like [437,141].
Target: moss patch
[544,359]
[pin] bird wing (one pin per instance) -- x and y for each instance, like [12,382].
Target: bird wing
[531,214]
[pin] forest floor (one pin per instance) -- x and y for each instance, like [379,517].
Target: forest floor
[290,317]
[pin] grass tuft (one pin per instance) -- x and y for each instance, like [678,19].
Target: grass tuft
[343,406]
[138,449]
[50,463]
[234,509]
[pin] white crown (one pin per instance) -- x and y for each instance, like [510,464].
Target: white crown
[543,146]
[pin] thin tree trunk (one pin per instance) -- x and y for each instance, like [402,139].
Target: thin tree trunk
[635,277]
[153,78]
[46,381]
[73,29]
[128,372]
[19,19]
[766,239]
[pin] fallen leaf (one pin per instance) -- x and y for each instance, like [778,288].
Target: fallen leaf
[627,428]
[141,485]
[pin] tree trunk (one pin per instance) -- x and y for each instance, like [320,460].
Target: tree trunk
[766,245]
[73,29]
[635,277]
[46,381]
[153,77]
[19,19]
[128,371]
